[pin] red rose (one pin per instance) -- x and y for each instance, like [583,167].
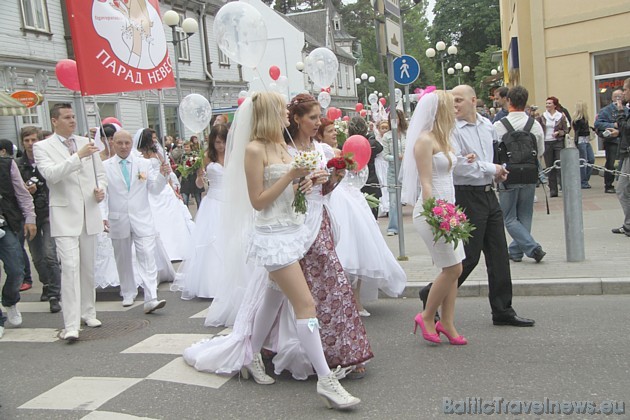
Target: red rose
[337,163]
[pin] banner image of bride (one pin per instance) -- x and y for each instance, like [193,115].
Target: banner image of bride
[133,29]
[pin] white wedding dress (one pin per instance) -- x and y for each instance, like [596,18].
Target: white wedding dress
[199,269]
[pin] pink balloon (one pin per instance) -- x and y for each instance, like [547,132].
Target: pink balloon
[358,107]
[383,101]
[360,147]
[363,113]
[274,72]
[67,74]
[346,118]
[112,120]
[239,101]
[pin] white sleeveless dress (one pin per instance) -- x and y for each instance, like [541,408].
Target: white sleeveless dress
[280,236]
[443,254]
[195,275]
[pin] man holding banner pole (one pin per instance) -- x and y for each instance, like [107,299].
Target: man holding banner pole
[73,169]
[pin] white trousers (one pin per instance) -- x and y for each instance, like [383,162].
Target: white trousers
[147,268]
[77,255]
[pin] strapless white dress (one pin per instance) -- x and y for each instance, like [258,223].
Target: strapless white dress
[443,254]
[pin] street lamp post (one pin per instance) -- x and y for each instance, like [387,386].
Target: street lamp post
[364,79]
[190,27]
[457,69]
[442,55]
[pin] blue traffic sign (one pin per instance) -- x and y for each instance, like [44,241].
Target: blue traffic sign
[406,70]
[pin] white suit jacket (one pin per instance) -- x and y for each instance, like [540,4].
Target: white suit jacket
[71,184]
[129,211]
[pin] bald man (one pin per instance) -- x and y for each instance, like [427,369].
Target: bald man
[474,192]
[129,220]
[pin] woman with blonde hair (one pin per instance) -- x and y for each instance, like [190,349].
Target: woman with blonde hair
[429,156]
[582,140]
[261,176]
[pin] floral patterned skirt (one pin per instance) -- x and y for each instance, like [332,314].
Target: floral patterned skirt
[342,331]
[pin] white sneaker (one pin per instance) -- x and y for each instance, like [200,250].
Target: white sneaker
[363,312]
[14,315]
[92,323]
[127,302]
[153,305]
[390,233]
[257,369]
[333,394]
[70,335]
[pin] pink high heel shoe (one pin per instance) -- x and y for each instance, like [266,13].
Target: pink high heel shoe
[432,338]
[460,340]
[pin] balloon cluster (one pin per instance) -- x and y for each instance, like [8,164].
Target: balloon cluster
[333,113]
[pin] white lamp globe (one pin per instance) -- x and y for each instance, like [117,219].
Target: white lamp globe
[458,66]
[190,26]
[440,46]
[450,70]
[171,18]
[372,79]
[430,53]
[452,50]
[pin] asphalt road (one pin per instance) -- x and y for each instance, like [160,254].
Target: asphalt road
[578,350]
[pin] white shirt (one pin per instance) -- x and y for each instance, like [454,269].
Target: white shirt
[518,119]
[474,138]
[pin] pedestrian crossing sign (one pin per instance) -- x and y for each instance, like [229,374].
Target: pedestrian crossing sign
[406,70]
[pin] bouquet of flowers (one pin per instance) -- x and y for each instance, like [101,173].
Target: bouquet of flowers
[372,201]
[191,162]
[342,132]
[307,160]
[345,161]
[447,221]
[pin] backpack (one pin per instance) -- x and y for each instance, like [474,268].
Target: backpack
[518,151]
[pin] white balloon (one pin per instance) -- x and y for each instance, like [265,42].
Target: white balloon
[242,94]
[372,99]
[358,179]
[397,94]
[282,81]
[322,65]
[195,112]
[241,33]
[324,99]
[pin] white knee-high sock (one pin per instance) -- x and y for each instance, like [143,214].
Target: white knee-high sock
[308,333]
[265,317]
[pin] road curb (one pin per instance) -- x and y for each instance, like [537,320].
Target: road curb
[541,287]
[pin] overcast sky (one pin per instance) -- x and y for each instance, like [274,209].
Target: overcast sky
[429,8]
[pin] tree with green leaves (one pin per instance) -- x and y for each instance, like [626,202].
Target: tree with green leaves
[470,25]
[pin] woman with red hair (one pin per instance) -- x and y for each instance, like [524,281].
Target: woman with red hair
[327,133]
[555,127]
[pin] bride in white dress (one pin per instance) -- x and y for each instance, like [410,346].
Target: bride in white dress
[196,276]
[428,154]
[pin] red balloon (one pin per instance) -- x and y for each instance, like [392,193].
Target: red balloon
[360,147]
[112,120]
[240,101]
[383,101]
[274,72]
[358,107]
[67,74]
[363,113]
[346,118]
[331,114]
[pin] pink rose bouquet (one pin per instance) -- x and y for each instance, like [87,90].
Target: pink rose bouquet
[447,221]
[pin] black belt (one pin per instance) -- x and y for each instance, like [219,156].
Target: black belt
[484,188]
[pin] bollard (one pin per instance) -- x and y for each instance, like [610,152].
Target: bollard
[572,200]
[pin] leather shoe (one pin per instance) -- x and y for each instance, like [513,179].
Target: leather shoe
[54,305]
[153,305]
[610,190]
[70,336]
[515,321]
[44,297]
[538,254]
[92,323]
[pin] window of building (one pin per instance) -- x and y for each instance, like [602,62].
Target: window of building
[339,79]
[183,52]
[32,117]
[336,24]
[224,60]
[170,117]
[610,70]
[35,15]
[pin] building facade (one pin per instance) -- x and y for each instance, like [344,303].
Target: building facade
[572,49]
[35,35]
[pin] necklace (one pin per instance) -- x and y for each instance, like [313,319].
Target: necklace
[284,153]
[309,145]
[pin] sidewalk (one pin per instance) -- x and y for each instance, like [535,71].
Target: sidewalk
[604,270]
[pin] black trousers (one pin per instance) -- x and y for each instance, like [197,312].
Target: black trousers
[552,153]
[612,151]
[483,210]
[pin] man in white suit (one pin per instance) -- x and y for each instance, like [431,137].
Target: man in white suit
[130,180]
[72,166]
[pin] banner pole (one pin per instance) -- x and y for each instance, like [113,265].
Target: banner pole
[162,123]
[87,125]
